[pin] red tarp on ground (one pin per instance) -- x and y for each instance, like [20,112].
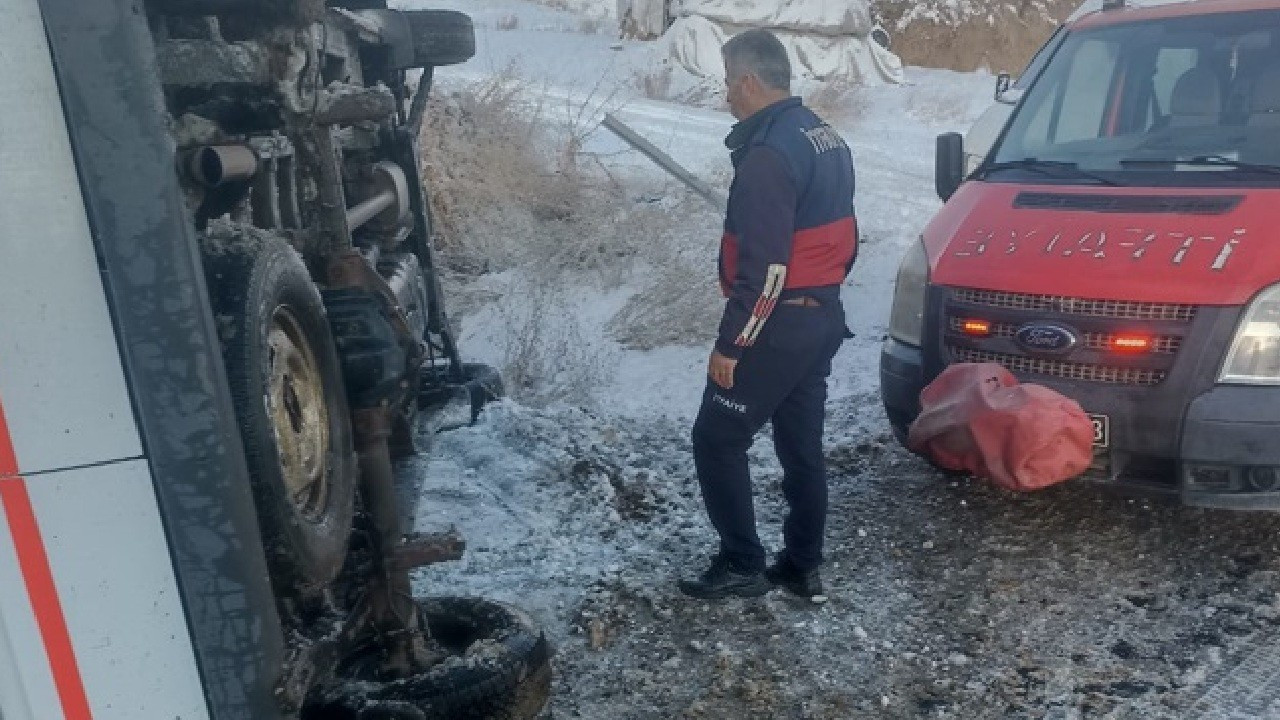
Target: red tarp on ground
[978,418]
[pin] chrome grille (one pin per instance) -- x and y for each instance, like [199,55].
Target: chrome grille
[1120,309]
[1162,344]
[1055,368]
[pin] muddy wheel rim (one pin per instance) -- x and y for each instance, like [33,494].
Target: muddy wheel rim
[299,415]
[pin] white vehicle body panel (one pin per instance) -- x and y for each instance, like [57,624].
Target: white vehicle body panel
[60,370]
[91,621]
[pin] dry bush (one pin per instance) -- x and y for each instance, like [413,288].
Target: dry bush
[512,192]
[505,167]
[545,355]
[680,302]
[487,178]
[681,306]
[582,119]
[510,21]
[591,26]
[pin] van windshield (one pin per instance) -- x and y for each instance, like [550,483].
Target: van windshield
[1178,101]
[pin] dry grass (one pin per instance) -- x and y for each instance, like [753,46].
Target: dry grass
[681,306]
[679,302]
[546,354]
[512,192]
[481,161]
[973,45]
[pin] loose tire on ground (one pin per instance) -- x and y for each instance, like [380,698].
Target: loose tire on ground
[286,386]
[504,668]
[441,37]
[499,668]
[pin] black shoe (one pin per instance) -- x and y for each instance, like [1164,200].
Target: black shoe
[805,583]
[721,581]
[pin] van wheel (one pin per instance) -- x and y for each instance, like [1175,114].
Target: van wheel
[286,387]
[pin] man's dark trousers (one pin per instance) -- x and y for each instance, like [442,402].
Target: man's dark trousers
[782,378]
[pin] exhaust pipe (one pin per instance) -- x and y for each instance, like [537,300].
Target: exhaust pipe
[216,165]
[389,201]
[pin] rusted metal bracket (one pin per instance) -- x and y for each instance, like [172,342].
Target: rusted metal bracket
[394,614]
[350,269]
[422,549]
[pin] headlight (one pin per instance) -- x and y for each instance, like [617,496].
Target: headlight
[906,320]
[1255,353]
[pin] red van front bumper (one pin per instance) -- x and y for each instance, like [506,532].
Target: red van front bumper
[1171,427]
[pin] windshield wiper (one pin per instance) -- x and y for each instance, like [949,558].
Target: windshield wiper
[1053,168]
[1206,161]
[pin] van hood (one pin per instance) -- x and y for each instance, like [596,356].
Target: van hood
[1170,245]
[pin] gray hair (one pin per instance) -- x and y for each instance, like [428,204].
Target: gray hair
[760,53]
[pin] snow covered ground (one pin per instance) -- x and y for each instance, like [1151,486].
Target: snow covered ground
[949,599]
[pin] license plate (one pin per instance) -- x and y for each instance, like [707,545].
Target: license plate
[1101,430]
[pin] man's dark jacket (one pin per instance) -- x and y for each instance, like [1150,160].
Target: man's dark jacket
[789,230]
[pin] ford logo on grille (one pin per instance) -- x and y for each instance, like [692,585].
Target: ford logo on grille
[1045,338]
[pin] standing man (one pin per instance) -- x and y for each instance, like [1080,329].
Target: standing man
[789,242]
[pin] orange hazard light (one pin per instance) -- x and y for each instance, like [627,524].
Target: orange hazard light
[976,328]
[1132,344]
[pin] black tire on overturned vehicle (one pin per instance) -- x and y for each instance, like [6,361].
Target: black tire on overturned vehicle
[286,386]
[442,37]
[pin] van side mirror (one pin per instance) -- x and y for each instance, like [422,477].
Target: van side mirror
[949,165]
[1006,93]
